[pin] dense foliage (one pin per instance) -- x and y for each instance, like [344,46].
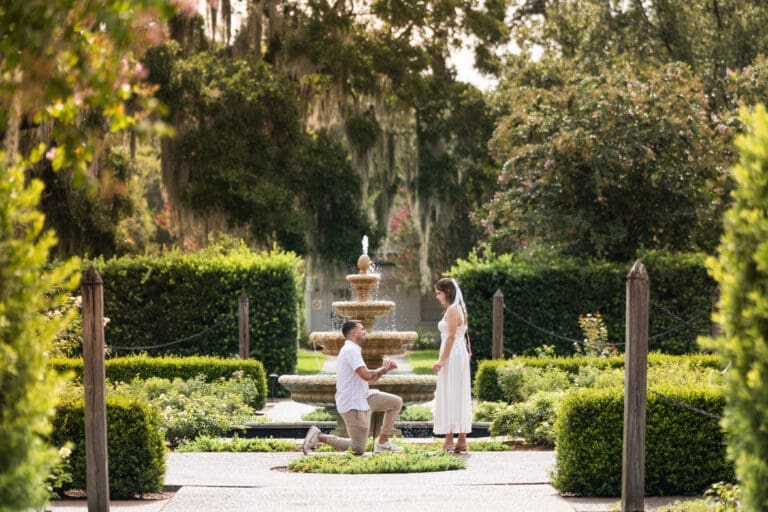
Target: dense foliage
[742,271]
[602,166]
[27,387]
[196,296]
[685,451]
[60,61]
[627,104]
[126,369]
[548,293]
[135,446]
[583,371]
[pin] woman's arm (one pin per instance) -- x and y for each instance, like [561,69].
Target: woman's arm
[452,318]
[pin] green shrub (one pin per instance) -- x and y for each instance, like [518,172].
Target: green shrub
[486,382]
[192,408]
[318,415]
[187,294]
[553,293]
[742,271]
[249,372]
[518,382]
[584,370]
[487,411]
[236,444]
[416,413]
[533,420]
[135,446]
[685,451]
[27,291]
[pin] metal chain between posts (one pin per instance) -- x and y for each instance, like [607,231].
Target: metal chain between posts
[682,323]
[686,406]
[182,340]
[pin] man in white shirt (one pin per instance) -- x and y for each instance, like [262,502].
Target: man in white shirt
[355,400]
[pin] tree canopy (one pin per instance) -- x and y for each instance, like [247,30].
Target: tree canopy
[604,165]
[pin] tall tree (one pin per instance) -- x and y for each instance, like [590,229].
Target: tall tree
[602,166]
[710,36]
[376,76]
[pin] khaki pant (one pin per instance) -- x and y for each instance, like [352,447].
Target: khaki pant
[359,422]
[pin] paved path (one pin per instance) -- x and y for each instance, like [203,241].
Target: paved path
[245,482]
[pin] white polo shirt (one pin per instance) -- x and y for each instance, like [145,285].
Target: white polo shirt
[352,392]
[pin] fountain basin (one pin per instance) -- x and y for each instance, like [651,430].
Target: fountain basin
[377,345]
[366,312]
[320,390]
[364,285]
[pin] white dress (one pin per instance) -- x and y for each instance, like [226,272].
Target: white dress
[453,396]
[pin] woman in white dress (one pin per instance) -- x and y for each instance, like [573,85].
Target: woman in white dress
[453,398]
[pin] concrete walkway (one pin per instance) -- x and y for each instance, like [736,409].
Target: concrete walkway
[245,482]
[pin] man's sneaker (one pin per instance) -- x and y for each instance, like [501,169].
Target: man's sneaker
[310,440]
[386,447]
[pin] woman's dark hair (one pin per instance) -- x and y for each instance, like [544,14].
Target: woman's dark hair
[445,285]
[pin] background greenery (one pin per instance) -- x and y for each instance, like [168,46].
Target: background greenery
[552,292]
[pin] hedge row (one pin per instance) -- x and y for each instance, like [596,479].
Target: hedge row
[487,389]
[685,451]
[135,446]
[153,301]
[126,369]
[551,293]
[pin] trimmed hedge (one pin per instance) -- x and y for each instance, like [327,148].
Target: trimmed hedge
[153,301]
[685,451]
[135,446]
[551,293]
[486,382]
[126,369]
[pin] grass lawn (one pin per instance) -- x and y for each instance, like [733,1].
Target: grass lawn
[309,362]
[422,360]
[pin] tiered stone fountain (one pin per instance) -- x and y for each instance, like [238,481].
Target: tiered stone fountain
[320,390]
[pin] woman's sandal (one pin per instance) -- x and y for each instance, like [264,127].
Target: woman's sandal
[449,448]
[460,448]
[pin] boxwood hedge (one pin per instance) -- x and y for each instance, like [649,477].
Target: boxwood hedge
[125,369]
[685,451]
[486,386]
[187,304]
[135,446]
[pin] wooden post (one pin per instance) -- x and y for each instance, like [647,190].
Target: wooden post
[243,326]
[635,383]
[94,376]
[717,329]
[497,351]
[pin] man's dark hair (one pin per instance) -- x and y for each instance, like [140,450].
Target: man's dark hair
[348,326]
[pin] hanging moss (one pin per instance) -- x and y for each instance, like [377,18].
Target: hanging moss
[362,131]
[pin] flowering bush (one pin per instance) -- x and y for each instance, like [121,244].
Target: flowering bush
[60,474]
[191,408]
[595,337]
